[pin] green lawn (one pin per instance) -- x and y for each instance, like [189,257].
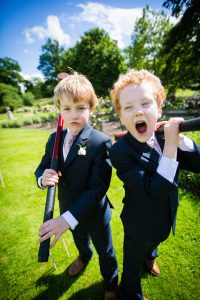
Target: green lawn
[22,207]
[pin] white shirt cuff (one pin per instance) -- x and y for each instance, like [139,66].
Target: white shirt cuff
[109,162]
[186,144]
[40,184]
[167,168]
[69,218]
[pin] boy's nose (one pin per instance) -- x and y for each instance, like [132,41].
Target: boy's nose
[139,113]
[74,113]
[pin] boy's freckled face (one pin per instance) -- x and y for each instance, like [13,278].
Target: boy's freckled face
[139,110]
[75,115]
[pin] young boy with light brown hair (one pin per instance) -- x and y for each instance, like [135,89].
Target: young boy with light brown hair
[148,167]
[83,180]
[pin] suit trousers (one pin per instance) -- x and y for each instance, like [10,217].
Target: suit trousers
[102,240]
[135,252]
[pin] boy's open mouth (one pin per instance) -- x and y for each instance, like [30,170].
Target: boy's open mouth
[141,126]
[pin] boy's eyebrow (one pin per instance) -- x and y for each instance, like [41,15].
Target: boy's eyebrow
[82,104]
[147,98]
[65,107]
[127,103]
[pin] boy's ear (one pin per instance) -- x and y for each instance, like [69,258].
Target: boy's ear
[91,110]
[160,113]
[121,120]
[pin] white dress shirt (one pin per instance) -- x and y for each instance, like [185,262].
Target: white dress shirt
[167,167]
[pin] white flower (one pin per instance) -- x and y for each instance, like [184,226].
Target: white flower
[82,150]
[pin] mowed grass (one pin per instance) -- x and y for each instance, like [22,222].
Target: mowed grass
[22,208]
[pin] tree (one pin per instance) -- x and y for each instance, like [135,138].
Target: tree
[10,72]
[147,39]
[98,57]
[50,59]
[47,88]
[179,70]
[34,86]
[182,44]
[9,96]
[28,99]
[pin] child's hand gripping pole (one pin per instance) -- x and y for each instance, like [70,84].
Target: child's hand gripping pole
[43,253]
[185,126]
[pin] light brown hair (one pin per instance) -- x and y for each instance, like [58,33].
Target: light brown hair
[77,87]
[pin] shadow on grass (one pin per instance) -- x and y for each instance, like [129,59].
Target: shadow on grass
[93,292]
[56,285]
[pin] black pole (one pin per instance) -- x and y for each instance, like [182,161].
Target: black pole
[43,253]
[185,126]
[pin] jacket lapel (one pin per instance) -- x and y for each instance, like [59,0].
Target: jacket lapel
[80,140]
[144,154]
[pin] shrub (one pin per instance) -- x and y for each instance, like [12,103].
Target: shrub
[36,119]
[28,99]
[28,121]
[11,124]
[192,102]
[9,96]
[190,182]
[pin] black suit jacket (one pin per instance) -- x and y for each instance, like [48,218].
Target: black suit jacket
[151,201]
[85,178]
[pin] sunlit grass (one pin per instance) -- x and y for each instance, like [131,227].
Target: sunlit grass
[184,93]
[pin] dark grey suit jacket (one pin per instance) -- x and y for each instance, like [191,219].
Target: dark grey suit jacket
[85,178]
[151,201]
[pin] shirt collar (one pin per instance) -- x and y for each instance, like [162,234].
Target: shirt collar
[153,137]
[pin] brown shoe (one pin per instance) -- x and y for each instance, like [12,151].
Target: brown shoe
[112,295]
[152,267]
[145,298]
[76,267]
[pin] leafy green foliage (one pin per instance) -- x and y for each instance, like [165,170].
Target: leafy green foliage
[34,86]
[180,69]
[49,65]
[50,59]
[188,180]
[9,96]
[98,57]
[176,5]
[182,44]
[10,72]
[47,88]
[147,39]
[28,99]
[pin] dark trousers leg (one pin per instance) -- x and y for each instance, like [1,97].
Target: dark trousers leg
[152,252]
[102,240]
[134,256]
[82,242]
